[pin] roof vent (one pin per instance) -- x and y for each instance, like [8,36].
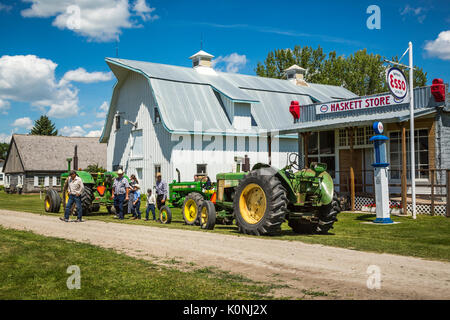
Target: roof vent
[296,75]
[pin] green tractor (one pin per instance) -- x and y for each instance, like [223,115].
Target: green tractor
[189,196]
[97,192]
[262,199]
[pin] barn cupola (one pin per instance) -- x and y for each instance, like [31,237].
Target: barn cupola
[201,59]
[201,62]
[296,75]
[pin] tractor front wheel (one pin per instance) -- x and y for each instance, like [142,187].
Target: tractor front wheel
[165,215]
[190,208]
[328,216]
[207,215]
[260,204]
[52,201]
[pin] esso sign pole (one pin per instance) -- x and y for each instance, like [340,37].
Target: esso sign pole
[411,132]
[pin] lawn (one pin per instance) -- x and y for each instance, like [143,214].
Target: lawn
[35,267]
[426,237]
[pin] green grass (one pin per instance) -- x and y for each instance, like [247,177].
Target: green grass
[426,237]
[35,267]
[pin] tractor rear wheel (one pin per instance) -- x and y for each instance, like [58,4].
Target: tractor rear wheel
[207,215]
[52,201]
[190,208]
[165,215]
[86,202]
[260,204]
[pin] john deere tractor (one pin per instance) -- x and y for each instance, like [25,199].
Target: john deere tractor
[189,196]
[262,199]
[97,192]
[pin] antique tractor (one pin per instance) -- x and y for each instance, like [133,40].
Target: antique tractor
[189,196]
[262,199]
[97,192]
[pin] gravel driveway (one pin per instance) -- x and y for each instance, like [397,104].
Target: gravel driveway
[324,272]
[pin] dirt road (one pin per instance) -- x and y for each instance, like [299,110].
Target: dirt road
[338,273]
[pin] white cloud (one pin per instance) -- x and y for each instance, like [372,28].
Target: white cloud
[75,131]
[5,7]
[5,138]
[25,123]
[233,62]
[144,11]
[94,133]
[418,12]
[95,124]
[100,20]
[103,110]
[32,79]
[4,106]
[440,47]
[81,75]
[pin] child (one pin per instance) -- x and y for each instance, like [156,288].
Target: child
[151,202]
[136,202]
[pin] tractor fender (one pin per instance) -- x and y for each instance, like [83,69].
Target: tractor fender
[266,169]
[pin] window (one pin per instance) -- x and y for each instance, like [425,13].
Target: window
[56,180]
[41,181]
[421,154]
[157,116]
[321,149]
[201,168]
[1,177]
[139,173]
[137,149]
[195,62]
[157,169]
[361,137]
[117,118]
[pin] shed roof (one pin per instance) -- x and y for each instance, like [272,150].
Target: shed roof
[49,153]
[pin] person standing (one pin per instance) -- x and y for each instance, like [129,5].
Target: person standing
[162,191]
[75,188]
[151,202]
[120,191]
[136,202]
[133,182]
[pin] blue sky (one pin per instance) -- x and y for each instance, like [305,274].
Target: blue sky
[52,52]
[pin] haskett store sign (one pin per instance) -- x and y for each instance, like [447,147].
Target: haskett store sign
[358,104]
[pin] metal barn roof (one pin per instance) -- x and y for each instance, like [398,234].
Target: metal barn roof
[185,95]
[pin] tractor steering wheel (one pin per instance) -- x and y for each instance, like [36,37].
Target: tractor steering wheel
[293,161]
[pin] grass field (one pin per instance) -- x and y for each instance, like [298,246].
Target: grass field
[35,267]
[427,237]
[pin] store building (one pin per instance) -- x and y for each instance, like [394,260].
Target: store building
[338,132]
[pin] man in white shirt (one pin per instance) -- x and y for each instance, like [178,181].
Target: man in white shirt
[75,188]
[151,202]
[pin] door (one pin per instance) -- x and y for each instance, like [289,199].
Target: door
[345,160]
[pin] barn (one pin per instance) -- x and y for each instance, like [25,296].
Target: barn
[164,118]
[34,162]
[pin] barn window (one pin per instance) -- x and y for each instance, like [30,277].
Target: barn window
[41,181]
[157,169]
[201,168]
[117,118]
[157,116]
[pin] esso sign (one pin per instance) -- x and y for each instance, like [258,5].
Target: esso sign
[378,127]
[396,81]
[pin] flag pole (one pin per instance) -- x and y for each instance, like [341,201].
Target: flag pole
[411,131]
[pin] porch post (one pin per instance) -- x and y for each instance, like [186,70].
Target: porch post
[299,147]
[404,180]
[352,172]
[305,146]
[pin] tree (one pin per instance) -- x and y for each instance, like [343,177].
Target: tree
[95,168]
[361,72]
[4,150]
[44,127]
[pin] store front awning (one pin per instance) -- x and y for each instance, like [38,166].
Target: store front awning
[355,121]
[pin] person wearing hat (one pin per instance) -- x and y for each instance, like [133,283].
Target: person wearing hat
[120,191]
[75,188]
[162,191]
[136,202]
